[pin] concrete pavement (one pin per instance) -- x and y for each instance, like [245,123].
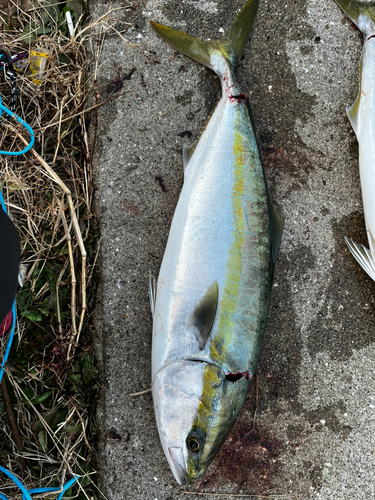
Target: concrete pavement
[315,422]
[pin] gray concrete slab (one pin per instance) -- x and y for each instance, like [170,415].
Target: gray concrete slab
[315,425]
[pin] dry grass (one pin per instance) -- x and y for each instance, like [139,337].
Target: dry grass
[51,376]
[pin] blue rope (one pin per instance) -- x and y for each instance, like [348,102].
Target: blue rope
[24,124]
[26,494]
[52,490]
[67,486]
[17,482]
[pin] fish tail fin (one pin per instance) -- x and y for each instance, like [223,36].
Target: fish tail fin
[361,12]
[240,30]
[231,46]
[363,256]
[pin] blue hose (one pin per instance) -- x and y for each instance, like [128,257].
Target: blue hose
[17,482]
[26,494]
[24,124]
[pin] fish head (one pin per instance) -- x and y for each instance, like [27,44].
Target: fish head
[195,407]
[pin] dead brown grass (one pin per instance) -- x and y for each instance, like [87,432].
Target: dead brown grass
[51,375]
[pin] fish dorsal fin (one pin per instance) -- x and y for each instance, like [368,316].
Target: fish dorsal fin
[203,316]
[189,150]
[276,228]
[152,292]
[353,110]
[187,154]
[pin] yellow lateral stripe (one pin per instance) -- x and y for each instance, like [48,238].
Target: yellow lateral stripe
[220,344]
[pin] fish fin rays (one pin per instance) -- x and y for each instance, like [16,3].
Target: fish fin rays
[188,152]
[231,47]
[152,292]
[350,8]
[240,30]
[353,110]
[276,228]
[361,13]
[363,256]
[203,316]
[197,49]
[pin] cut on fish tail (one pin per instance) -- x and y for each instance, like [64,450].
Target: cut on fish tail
[231,46]
[363,256]
[361,12]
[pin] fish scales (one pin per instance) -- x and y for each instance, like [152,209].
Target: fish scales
[212,296]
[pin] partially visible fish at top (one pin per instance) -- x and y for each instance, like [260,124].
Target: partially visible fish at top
[211,300]
[362,118]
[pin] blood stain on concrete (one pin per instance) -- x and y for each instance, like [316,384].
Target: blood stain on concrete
[248,457]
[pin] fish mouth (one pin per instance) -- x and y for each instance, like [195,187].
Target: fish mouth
[175,458]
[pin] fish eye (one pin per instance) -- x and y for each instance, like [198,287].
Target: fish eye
[193,444]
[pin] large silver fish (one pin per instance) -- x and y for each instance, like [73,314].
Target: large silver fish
[362,118]
[211,301]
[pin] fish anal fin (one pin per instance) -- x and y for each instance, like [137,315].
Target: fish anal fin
[353,110]
[152,292]
[203,316]
[189,150]
[363,256]
[187,154]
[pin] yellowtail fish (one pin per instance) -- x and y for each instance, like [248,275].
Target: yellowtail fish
[362,115]
[211,300]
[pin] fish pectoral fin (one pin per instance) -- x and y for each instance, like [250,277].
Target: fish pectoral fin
[276,228]
[152,292]
[363,256]
[203,316]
